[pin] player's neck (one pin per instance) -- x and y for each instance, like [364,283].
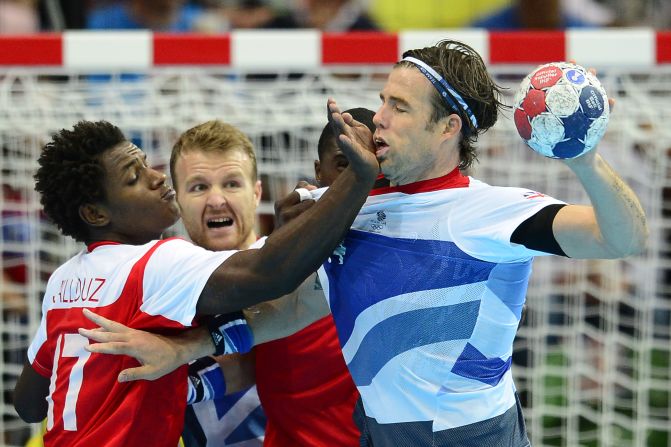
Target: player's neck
[112,236]
[248,241]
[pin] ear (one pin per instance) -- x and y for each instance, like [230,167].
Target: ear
[258,190]
[93,215]
[452,126]
[318,172]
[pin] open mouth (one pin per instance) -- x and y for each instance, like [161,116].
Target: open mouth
[381,146]
[220,222]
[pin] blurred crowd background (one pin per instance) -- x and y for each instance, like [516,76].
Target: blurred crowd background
[214,16]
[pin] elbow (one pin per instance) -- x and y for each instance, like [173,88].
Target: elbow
[639,244]
[29,412]
[635,246]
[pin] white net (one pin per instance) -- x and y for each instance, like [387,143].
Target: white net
[592,360]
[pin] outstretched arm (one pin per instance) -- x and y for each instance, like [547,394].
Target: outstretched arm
[159,355]
[613,227]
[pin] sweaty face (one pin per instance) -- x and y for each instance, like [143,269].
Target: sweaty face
[408,147]
[218,198]
[331,164]
[141,205]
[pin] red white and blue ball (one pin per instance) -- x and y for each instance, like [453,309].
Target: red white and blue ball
[561,110]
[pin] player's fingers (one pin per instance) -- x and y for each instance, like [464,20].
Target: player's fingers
[112,347]
[102,336]
[297,210]
[287,214]
[305,185]
[139,373]
[332,106]
[346,144]
[611,103]
[104,322]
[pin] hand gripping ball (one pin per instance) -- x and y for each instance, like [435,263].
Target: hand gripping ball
[561,110]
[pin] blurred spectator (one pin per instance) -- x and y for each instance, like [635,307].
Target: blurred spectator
[14,232]
[325,15]
[596,13]
[58,15]
[157,15]
[531,14]
[18,17]
[224,15]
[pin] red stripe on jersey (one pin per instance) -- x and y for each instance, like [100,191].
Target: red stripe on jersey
[454,179]
[94,245]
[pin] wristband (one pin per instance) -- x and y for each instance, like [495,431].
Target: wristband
[303,194]
[230,333]
[206,381]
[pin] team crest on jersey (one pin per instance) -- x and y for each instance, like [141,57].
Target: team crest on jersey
[339,253]
[378,223]
[532,195]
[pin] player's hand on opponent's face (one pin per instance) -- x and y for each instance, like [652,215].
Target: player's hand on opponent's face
[355,140]
[157,354]
[294,203]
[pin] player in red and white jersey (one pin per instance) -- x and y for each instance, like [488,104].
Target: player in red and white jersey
[98,188]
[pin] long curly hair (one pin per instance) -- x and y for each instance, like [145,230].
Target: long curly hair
[71,173]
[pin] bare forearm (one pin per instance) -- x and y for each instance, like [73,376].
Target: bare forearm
[620,218]
[289,314]
[238,370]
[192,345]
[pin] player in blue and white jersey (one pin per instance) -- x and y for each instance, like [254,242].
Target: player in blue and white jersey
[428,286]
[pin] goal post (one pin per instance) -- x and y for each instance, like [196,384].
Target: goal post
[592,359]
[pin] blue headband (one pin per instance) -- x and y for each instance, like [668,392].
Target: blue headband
[445,89]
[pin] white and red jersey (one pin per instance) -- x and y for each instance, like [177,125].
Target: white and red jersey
[153,287]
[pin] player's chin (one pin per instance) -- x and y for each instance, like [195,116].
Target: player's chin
[220,242]
[174,212]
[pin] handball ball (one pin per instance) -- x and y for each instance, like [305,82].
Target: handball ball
[561,110]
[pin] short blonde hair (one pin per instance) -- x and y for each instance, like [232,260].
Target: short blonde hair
[213,137]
